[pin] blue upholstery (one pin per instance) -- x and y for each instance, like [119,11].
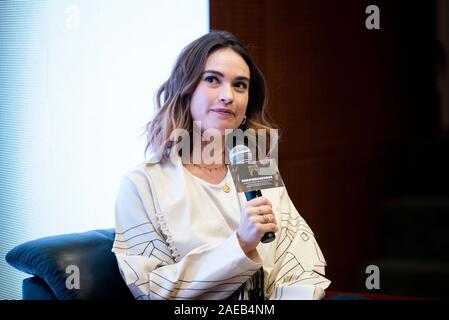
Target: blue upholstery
[47,259]
[34,288]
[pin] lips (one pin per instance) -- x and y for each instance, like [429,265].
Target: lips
[223,111]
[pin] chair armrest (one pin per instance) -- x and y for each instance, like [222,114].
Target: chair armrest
[49,257]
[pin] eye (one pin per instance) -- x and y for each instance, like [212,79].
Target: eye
[241,85]
[211,79]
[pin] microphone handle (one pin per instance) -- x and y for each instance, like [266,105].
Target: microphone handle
[269,236]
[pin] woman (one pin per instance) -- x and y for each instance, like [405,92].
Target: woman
[182,230]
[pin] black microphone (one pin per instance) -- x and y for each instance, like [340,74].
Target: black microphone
[241,154]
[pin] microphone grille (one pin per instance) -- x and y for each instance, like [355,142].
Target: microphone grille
[240,154]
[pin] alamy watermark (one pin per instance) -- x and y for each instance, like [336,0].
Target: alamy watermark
[72,18]
[373,280]
[73,279]
[372,22]
[210,146]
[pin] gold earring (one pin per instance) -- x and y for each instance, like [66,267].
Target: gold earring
[244,120]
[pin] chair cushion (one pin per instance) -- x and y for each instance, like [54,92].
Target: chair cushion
[34,288]
[50,257]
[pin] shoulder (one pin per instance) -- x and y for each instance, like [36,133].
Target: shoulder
[139,174]
[136,186]
[145,172]
[138,170]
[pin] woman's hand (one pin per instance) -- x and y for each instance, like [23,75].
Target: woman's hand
[256,219]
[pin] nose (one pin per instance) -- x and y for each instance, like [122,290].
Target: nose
[226,94]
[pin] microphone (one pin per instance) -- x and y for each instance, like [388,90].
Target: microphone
[241,154]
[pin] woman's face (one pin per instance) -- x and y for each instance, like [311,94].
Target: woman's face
[220,98]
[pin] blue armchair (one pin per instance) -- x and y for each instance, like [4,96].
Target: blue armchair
[47,260]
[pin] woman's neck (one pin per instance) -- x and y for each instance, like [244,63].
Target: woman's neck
[208,153]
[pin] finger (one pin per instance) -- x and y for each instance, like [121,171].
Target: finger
[266,209]
[268,227]
[266,218]
[261,210]
[259,201]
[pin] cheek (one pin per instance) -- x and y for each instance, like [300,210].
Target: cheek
[200,101]
[196,104]
[242,104]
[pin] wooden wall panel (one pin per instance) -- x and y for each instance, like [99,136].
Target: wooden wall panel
[342,95]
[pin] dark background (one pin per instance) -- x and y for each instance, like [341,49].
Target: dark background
[363,150]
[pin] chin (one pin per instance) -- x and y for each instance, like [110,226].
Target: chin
[221,127]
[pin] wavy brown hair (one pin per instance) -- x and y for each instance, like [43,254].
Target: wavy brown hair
[172,99]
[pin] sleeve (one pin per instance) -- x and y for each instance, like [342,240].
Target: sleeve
[299,266]
[148,267]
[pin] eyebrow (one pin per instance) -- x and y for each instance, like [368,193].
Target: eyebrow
[222,75]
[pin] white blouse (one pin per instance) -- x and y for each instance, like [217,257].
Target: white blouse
[213,194]
[176,239]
